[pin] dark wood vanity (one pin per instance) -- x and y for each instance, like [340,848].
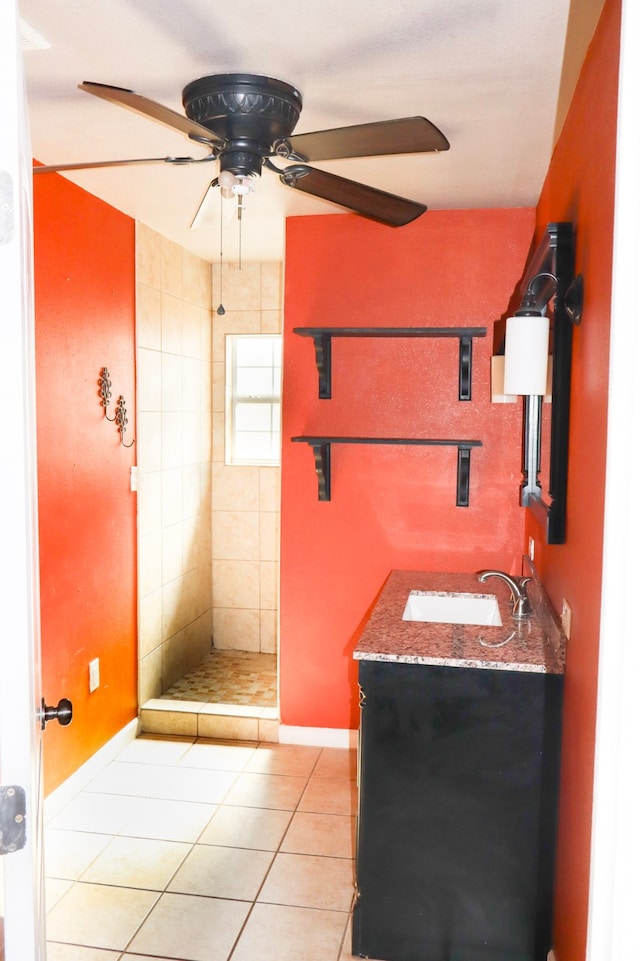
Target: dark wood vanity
[458,767]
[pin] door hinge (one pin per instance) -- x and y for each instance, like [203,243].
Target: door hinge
[7,227]
[13,808]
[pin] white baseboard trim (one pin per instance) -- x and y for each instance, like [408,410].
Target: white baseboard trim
[55,801]
[318,736]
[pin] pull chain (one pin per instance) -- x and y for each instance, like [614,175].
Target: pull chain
[220,311]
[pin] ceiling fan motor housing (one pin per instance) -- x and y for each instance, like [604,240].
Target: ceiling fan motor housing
[249,112]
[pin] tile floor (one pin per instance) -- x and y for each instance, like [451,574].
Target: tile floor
[229,677]
[199,850]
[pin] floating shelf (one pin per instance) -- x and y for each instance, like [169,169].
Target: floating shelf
[322,453]
[322,338]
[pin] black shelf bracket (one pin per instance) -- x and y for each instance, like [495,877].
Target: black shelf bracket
[321,447]
[322,338]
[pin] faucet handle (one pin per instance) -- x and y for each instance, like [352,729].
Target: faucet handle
[521,602]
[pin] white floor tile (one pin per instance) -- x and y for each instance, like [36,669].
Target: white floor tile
[137,863]
[163,781]
[68,853]
[266,791]
[308,881]
[219,756]
[72,952]
[166,820]
[240,827]
[192,929]
[183,849]
[156,750]
[218,872]
[330,835]
[99,916]
[279,933]
[330,796]
[101,813]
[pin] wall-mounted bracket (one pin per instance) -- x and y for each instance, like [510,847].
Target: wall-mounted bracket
[321,447]
[322,339]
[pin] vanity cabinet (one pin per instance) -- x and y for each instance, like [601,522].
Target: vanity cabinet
[458,785]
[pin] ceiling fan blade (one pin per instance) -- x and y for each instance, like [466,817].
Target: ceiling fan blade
[57,168]
[151,109]
[407,135]
[369,201]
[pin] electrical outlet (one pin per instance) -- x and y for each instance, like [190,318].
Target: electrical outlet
[532,548]
[566,618]
[94,674]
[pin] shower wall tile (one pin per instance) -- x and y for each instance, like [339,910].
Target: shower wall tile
[171,267]
[268,586]
[196,280]
[269,535]
[217,454]
[172,430]
[150,562]
[148,317]
[149,502]
[171,496]
[148,257]
[149,377]
[270,489]
[149,441]
[271,293]
[171,553]
[236,535]
[193,491]
[268,632]
[172,383]
[150,617]
[209,532]
[236,488]
[252,299]
[191,392]
[171,312]
[233,626]
[236,584]
[270,322]
[191,333]
[174,441]
[150,676]
[218,387]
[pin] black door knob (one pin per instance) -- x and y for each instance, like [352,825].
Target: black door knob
[63,712]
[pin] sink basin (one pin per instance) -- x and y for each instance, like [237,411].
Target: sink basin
[456,608]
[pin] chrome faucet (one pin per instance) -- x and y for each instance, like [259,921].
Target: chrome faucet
[518,588]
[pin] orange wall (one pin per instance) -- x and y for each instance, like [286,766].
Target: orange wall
[391,507]
[84,288]
[580,188]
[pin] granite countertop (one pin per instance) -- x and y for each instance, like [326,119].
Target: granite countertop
[535,645]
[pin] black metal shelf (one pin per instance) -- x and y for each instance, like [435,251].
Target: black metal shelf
[321,446]
[323,336]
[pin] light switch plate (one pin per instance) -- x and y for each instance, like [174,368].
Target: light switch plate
[94,674]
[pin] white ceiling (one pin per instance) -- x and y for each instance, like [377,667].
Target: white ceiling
[487,72]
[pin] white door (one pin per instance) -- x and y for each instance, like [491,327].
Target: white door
[21,876]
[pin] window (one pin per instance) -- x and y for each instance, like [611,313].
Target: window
[254,377]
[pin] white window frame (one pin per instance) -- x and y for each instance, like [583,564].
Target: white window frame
[236,396]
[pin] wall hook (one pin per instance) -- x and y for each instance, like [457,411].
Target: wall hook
[122,421]
[104,393]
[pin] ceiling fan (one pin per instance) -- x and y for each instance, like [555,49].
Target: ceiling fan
[247,122]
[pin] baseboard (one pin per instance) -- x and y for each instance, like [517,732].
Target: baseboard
[318,736]
[55,801]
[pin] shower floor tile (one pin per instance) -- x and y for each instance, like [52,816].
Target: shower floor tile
[229,677]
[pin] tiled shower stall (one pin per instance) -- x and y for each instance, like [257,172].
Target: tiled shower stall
[208,532]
